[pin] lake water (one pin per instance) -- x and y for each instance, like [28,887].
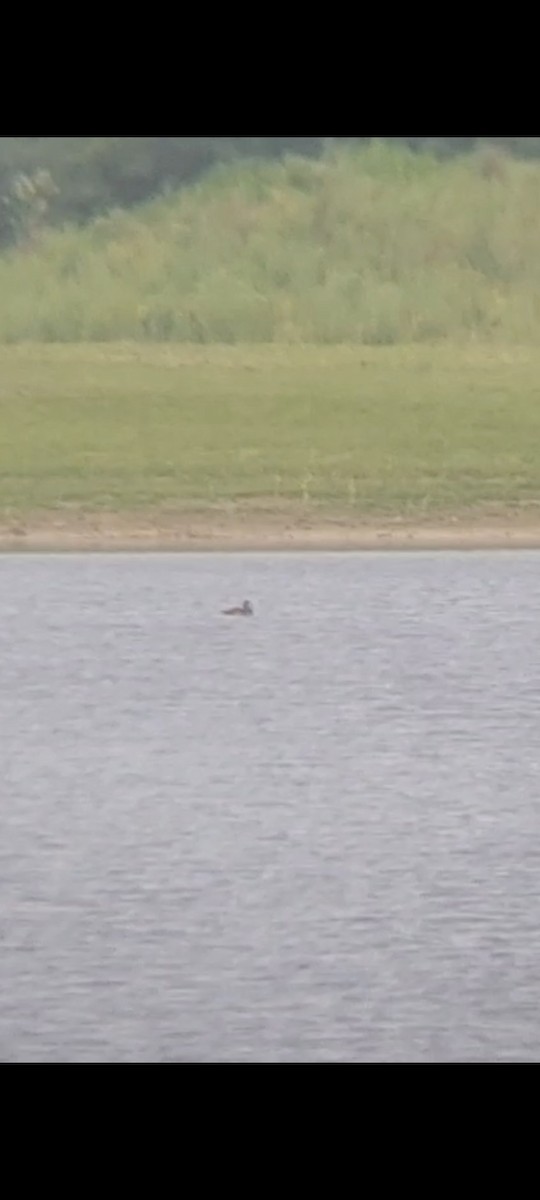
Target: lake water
[312,835]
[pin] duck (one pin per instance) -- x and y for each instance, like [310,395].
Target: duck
[244,610]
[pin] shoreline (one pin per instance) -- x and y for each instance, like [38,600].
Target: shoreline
[266,531]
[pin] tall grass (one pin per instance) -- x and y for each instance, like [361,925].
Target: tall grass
[372,246]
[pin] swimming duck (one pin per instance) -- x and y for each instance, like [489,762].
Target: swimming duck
[246,610]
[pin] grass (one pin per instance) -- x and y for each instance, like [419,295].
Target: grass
[391,430]
[370,246]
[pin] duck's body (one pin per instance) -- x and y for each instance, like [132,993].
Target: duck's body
[245,610]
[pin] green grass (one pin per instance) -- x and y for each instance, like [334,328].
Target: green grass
[395,430]
[373,246]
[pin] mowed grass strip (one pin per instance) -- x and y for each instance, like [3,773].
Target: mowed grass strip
[390,430]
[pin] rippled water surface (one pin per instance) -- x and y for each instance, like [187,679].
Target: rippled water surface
[307,836]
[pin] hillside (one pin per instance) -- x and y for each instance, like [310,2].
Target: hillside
[374,245]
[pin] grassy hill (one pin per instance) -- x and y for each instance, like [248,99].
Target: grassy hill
[374,246]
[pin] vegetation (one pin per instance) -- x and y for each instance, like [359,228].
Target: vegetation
[51,180]
[394,430]
[89,176]
[375,246]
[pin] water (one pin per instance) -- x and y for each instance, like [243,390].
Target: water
[308,836]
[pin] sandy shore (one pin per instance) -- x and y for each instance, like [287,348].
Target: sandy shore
[237,530]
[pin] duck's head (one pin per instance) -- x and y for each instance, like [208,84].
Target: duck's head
[247,608]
